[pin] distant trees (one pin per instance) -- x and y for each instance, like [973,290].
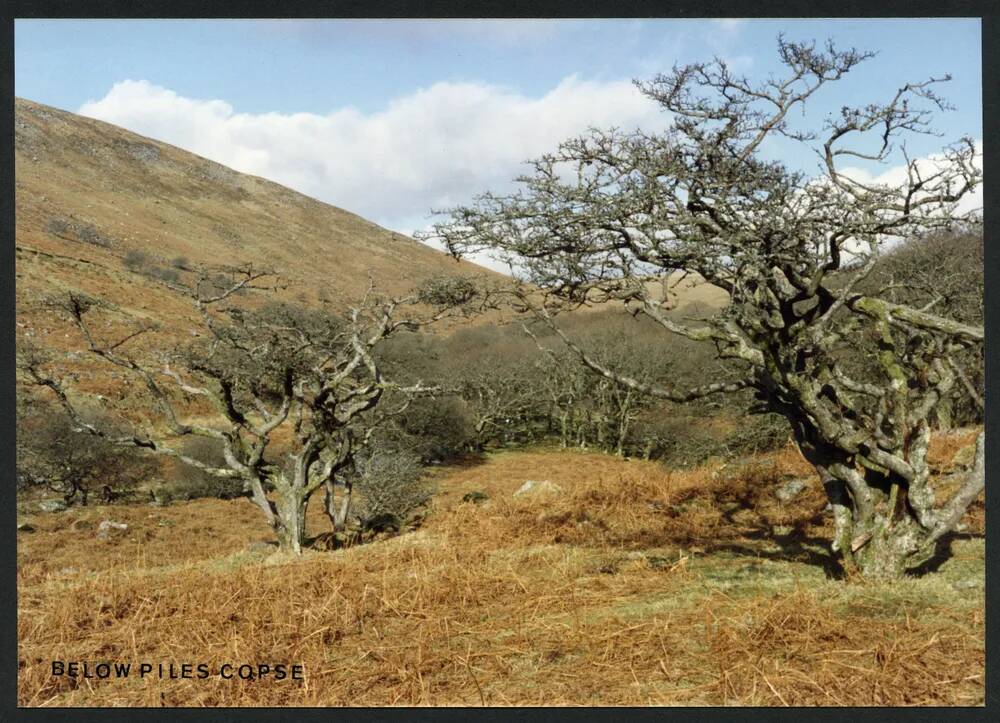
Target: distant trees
[605,213]
[297,392]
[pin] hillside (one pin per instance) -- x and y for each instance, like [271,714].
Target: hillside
[632,585]
[89,193]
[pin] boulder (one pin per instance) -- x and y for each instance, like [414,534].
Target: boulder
[791,489]
[536,487]
[53,506]
[108,527]
[25,527]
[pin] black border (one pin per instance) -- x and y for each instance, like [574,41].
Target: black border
[988,10]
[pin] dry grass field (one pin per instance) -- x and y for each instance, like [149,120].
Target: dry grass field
[627,585]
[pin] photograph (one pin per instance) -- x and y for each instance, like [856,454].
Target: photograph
[499,362]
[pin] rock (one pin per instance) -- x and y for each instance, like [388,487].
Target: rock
[791,489]
[967,584]
[53,506]
[535,487]
[25,527]
[782,530]
[107,528]
[475,497]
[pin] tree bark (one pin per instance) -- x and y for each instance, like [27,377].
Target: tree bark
[880,531]
[290,525]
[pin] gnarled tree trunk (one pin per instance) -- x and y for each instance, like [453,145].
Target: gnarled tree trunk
[886,524]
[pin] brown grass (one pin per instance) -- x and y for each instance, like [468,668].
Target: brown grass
[633,586]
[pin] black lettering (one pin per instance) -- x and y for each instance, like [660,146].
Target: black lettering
[202,670]
[103,670]
[226,667]
[145,668]
[280,672]
[121,669]
[297,673]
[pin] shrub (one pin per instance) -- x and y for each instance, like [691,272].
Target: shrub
[390,485]
[53,454]
[437,429]
[163,273]
[136,260]
[75,231]
[447,291]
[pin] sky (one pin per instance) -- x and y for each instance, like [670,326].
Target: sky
[391,119]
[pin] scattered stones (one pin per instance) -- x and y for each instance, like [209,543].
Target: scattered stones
[535,487]
[53,506]
[476,497]
[791,489]
[25,527]
[144,152]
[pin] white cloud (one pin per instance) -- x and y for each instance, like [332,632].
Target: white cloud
[896,177]
[433,148]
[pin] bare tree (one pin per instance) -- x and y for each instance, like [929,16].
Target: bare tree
[297,392]
[607,213]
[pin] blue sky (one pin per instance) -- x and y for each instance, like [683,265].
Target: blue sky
[390,118]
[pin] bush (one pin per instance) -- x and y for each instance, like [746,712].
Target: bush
[390,485]
[136,260]
[447,291]
[74,231]
[163,273]
[437,429]
[53,454]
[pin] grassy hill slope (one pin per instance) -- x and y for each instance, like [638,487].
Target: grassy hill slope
[631,585]
[89,193]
